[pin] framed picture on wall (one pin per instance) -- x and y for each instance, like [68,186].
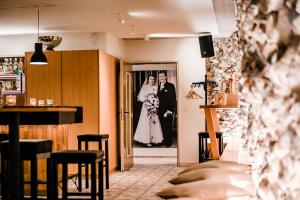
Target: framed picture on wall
[154,107]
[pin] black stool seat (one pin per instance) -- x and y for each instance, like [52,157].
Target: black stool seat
[206,134]
[3,136]
[30,149]
[89,157]
[92,137]
[203,147]
[86,138]
[75,156]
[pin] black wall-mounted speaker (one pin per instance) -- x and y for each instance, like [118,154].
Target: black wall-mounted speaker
[206,46]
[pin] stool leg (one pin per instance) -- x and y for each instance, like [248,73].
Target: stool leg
[79,170]
[79,177]
[100,180]
[54,179]
[206,149]
[93,177]
[22,178]
[64,180]
[222,145]
[49,180]
[4,189]
[219,141]
[200,149]
[86,168]
[33,178]
[106,165]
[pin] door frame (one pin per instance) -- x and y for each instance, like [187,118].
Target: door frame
[123,164]
[177,95]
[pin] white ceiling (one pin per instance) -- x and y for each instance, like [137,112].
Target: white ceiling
[147,16]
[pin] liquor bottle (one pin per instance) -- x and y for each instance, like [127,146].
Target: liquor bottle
[1,68]
[16,67]
[10,67]
[21,65]
[1,96]
[13,86]
[4,66]
[18,84]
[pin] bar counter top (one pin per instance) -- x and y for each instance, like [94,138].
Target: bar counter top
[42,115]
[38,109]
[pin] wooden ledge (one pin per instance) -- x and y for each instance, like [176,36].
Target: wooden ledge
[38,109]
[217,106]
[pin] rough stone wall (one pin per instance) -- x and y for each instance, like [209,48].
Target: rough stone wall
[227,61]
[270,42]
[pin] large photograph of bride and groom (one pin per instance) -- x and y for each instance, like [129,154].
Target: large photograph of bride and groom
[154,109]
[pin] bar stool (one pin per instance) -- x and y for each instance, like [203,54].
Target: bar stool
[93,138]
[203,147]
[30,150]
[75,157]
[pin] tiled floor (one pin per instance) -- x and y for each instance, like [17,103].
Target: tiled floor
[143,181]
[158,152]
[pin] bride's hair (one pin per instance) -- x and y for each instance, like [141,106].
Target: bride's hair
[147,79]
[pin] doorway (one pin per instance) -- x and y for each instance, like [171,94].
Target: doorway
[157,146]
[152,104]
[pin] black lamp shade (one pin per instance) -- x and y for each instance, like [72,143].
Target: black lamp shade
[38,57]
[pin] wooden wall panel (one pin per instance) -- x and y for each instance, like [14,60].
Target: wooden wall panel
[80,83]
[44,82]
[56,133]
[108,103]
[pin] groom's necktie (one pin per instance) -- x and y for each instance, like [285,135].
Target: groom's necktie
[161,87]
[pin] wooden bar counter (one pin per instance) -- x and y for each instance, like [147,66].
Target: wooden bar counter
[213,125]
[28,115]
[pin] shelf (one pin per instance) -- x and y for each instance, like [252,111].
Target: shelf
[218,106]
[12,92]
[9,76]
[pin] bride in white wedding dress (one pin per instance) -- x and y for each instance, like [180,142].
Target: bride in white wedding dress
[149,129]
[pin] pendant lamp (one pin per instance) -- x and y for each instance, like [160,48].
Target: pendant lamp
[38,57]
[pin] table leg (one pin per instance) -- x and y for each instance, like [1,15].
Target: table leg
[213,127]
[14,169]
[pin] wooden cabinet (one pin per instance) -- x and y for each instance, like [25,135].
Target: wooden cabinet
[70,78]
[44,81]
[80,86]
[79,78]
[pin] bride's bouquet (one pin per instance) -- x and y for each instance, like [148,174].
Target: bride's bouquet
[152,104]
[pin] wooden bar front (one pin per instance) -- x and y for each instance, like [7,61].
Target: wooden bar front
[15,116]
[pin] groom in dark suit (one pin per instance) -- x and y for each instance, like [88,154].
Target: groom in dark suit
[167,102]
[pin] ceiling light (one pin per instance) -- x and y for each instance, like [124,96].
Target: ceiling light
[38,57]
[143,14]
[176,35]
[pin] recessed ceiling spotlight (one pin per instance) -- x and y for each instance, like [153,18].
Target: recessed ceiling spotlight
[121,18]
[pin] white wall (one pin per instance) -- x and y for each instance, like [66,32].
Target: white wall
[115,46]
[191,68]
[15,45]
